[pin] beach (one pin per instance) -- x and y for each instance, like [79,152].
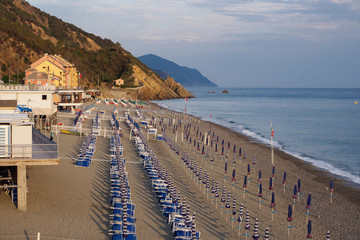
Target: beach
[68,202]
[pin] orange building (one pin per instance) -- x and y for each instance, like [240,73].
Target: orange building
[52,70]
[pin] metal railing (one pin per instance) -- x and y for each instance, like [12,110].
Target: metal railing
[29,151]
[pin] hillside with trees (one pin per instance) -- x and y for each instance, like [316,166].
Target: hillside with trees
[27,33]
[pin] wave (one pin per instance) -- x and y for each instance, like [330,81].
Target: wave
[257,137]
[316,162]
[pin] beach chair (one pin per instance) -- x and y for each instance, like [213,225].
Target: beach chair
[118,236]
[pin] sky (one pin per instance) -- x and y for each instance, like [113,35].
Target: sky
[234,43]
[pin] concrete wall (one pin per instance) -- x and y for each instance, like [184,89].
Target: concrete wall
[21,140]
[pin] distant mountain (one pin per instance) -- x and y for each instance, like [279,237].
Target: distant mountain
[188,77]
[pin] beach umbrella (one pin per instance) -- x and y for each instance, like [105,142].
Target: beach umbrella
[254,163]
[260,190]
[234,160]
[233,212]
[234,207]
[256,228]
[244,186]
[222,142]
[299,189]
[203,150]
[217,139]
[234,150]
[247,223]
[222,150]
[267,234]
[248,170]
[223,195]
[233,176]
[216,148]
[289,218]
[272,205]
[260,195]
[193,231]
[328,235]
[227,205]
[271,184]
[295,195]
[308,203]
[331,189]
[259,179]
[309,229]
[225,168]
[273,172]
[240,218]
[284,181]
[240,152]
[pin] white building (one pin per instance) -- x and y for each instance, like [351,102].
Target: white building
[38,98]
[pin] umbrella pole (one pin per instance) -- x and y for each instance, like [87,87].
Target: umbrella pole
[244,194]
[307,215]
[284,187]
[260,202]
[331,196]
[288,228]
[294,203]
[272,214]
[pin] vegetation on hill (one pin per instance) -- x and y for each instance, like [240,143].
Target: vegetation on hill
[26,33]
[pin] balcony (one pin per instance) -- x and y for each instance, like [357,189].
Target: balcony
[41,152]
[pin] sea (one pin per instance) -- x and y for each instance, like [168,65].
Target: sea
[319,126]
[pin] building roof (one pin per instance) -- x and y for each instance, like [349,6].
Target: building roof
[38,76]
[13,118]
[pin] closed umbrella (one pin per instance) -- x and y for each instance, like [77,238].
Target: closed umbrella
[331,189]
[284,181]
[256,228]
[308,204]
[289,218]
[309,229]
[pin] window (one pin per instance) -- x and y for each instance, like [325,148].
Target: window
[44,97]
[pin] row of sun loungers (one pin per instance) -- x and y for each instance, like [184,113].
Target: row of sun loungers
[122,219]
[87,150]
[182,223]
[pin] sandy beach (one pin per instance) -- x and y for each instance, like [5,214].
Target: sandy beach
[68,202]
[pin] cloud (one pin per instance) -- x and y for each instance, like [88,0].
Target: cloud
[214,20]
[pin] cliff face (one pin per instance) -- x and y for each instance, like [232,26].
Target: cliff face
[27,33]
[153,88]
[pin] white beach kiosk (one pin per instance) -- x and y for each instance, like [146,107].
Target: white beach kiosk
[22,145]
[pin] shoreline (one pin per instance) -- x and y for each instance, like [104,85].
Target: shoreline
[344,180]
[347,188]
